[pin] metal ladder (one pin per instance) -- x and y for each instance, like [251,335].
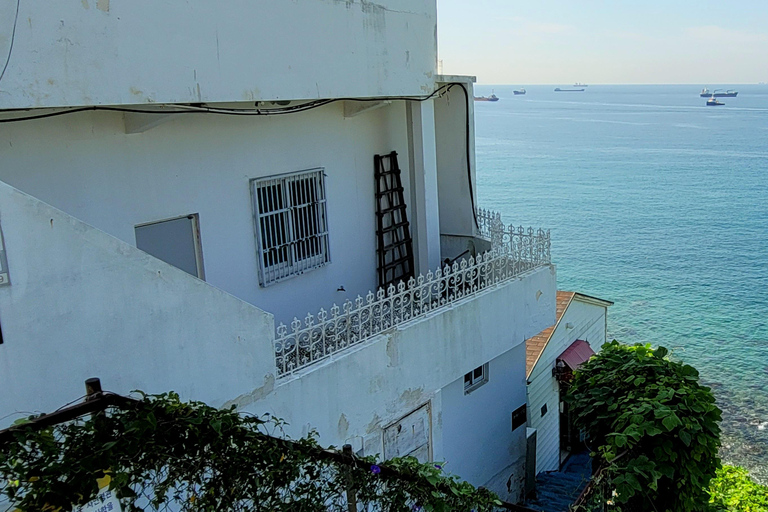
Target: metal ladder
[395,245]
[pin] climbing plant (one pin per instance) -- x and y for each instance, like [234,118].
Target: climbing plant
[654,425]
[732,490]
[159,453]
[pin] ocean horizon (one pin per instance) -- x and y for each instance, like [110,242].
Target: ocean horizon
[658,203]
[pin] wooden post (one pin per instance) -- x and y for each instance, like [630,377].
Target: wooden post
[346,451]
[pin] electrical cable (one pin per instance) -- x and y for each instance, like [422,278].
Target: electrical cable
[13,37]
[469,157]
[193,109]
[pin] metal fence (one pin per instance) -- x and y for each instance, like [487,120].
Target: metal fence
[515,251]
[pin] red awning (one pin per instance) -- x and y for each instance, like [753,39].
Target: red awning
[578,353]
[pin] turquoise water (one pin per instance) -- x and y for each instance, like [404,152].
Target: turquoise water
[660,204]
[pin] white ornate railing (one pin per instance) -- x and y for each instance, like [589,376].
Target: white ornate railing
[515,250]
[491,227]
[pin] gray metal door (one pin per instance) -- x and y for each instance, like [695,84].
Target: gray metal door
[530,462]
[175,241]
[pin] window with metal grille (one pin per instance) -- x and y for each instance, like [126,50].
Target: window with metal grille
[291,224]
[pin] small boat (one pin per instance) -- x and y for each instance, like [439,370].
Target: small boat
[578,85]
[718,93]
[519,91]
[712,102]
[557,89]
[492,97]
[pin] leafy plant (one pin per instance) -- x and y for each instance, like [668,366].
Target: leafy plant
[732,490]
[651,420]
[164,454]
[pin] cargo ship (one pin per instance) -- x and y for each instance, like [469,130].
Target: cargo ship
[718,93]
[557,89]
[519,91]
[492,97]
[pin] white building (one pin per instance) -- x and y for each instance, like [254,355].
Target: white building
[237,143]
[551,356]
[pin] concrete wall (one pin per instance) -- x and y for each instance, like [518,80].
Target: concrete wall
[86,165]
[84,304]
[477,427]
[456,213]
[102,52]
[353,395]
[587,322]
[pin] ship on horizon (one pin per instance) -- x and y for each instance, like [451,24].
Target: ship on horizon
[730,93]
[492,97]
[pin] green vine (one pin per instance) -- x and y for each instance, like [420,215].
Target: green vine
[651,421]
[164,454]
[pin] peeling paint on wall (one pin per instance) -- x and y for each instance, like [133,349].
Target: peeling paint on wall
[343,426]
[410,398]
[102,5]
[253,396]
[374,425]
[392,352]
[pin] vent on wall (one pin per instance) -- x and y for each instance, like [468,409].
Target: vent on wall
[519,417]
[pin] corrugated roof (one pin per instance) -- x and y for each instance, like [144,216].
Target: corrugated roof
[535,346]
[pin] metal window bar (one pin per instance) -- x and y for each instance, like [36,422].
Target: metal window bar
[291,224]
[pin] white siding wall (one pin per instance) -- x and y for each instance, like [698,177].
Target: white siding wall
[83,304]
[87,166]
[588,323]
[97,52]
[478,441]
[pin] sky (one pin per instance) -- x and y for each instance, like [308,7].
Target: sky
[515,42]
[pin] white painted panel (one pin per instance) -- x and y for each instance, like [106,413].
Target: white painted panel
[97,52]
[409,436]
[84,304]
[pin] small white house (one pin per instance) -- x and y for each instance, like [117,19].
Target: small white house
[202,197]
[579,331]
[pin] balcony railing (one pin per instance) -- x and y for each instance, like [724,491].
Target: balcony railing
[515,251]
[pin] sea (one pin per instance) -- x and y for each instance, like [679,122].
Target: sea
[658,203]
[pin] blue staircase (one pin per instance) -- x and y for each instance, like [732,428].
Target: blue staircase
[557,490]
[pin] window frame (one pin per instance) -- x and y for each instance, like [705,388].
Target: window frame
[471,383]
[297,207]
[197,241]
